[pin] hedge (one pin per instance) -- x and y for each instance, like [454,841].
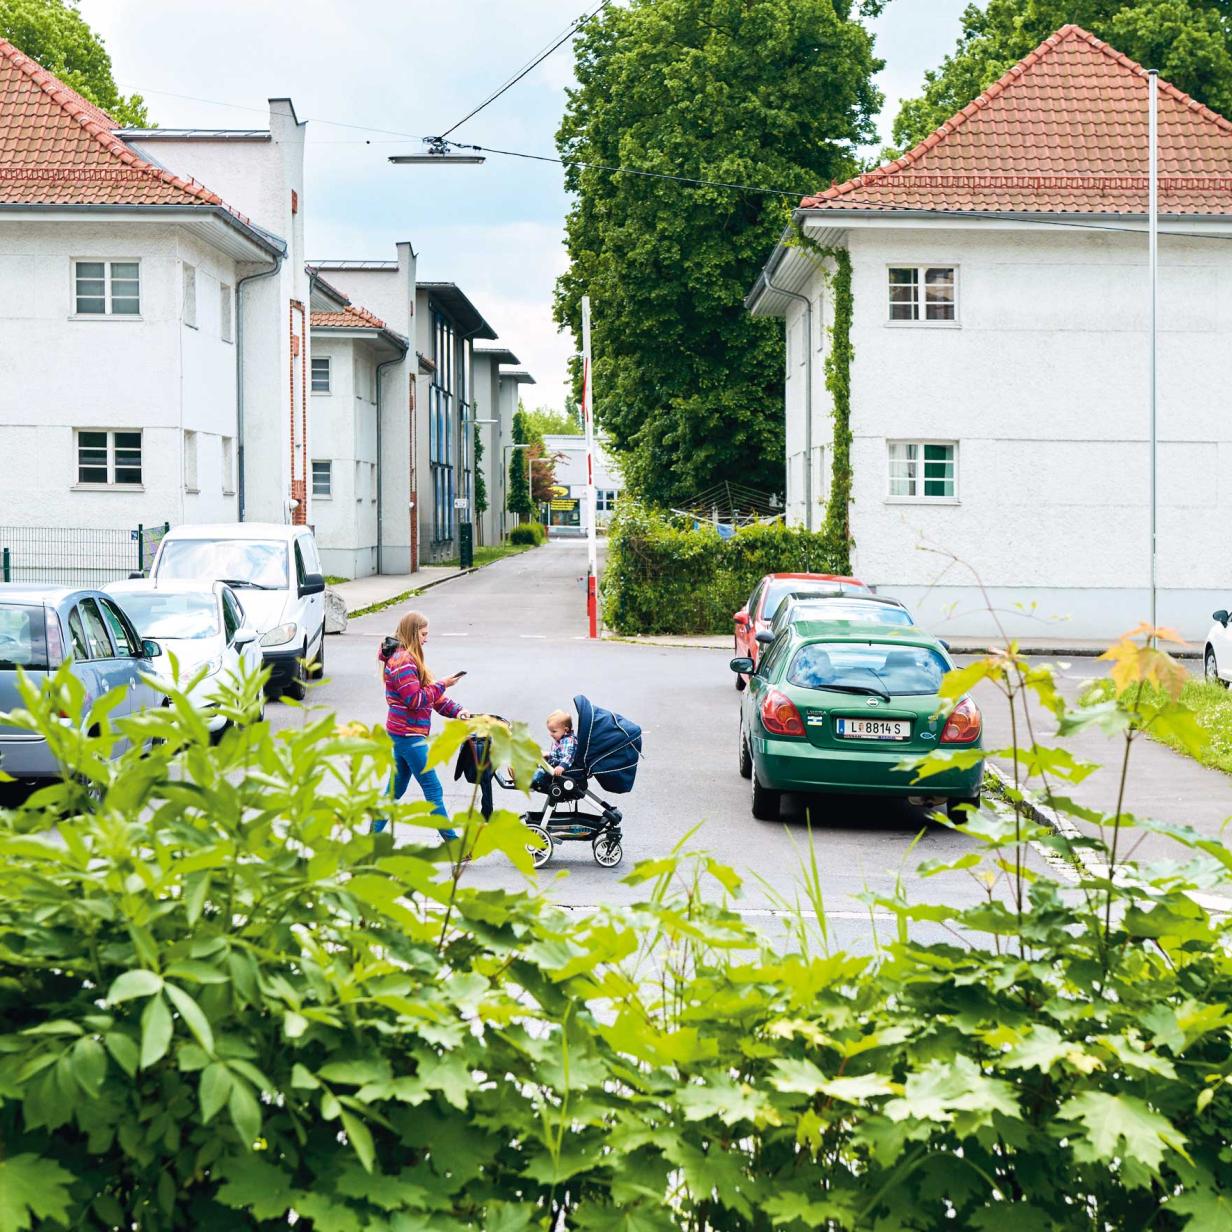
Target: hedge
[528,532]
[665,574]
[226,1006]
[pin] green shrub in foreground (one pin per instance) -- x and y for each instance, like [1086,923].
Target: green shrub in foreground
[225,1005]
[663,576]
[528,533]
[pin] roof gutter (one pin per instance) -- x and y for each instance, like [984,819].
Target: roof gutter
[241,487]
[808,392]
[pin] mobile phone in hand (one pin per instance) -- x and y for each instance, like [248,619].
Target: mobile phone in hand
[459,674]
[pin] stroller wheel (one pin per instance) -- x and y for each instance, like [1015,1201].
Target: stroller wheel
[540,847]
[607,851]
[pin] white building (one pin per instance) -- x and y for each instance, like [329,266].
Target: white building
[351,352]
[999,386]
[568,512]
[497,388]
[148,323]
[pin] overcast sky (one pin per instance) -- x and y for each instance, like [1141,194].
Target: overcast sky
[417,67]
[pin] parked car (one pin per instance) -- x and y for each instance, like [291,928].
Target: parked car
[850,609]
[41,626]
[1217,657]
[758,613]
[202,624]
[277,571]
[834,708]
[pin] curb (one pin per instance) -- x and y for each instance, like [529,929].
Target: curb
[381,604]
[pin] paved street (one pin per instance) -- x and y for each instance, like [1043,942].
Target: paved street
[518,628]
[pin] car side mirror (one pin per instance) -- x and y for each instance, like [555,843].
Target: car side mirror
[150,649]
[136,573]
[741,617]
[743,664]
[313,584]
[1221,616]
[945,645]
[244,637]
[765,637]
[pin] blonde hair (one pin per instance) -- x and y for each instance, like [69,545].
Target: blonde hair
[410,638]
[561,716]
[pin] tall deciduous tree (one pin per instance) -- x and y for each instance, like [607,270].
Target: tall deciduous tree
[688,386]
[1189,41]
[517,500]
[54,33]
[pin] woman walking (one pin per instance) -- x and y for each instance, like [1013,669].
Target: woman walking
[411,695]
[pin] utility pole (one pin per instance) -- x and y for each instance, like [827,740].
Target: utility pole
[588,424]
[1153,245]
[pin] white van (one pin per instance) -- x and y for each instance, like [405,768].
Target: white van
[276,571]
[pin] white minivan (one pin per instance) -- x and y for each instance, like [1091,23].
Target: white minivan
[276,571]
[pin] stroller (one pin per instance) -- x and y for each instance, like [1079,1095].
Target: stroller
[609,746]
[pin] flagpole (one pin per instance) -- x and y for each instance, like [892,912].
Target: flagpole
[1153,237]
[588,423]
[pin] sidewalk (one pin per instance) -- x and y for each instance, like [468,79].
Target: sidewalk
[381,587]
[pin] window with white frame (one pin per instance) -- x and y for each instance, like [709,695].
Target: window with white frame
[605,500]
[923,470]
[925,293]
[190,295]
[224,313]
[228,465]
[322,477]
[190,462]
[108,458]
[107,288]
[320,374]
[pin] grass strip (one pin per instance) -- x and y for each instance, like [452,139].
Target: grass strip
[383,604]
[492,552]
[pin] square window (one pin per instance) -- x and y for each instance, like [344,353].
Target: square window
[923,470]
[923,293]
[110,458]
[107,288]
[322,477]
[320,374]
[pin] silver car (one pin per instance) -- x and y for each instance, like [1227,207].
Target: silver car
[40,627]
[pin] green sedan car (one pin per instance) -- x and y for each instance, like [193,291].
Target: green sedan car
[835,707]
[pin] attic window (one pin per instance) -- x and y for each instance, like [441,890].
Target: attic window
[925,293]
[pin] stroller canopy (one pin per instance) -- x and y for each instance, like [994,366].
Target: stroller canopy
[609,746]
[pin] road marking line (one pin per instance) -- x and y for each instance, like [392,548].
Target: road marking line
[535,635]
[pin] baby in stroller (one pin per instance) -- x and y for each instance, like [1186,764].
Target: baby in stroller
[560,756]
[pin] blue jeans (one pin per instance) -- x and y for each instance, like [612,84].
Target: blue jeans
[410,754]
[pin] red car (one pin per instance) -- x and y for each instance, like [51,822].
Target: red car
[756,615]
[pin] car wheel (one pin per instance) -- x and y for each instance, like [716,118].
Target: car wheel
[956,811]
[297,687]
[318,668]
[746,757]
[764,802]
[1210,668]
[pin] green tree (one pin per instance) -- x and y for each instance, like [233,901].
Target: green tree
[545,419]
[518,501]
[54,33]
[481,484]
[1189,41]
[688,386]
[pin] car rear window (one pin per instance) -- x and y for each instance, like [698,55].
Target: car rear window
[23,638]
[851,610]
[902,671]
[776,592]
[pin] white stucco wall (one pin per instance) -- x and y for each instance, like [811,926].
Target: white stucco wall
[1043,385]
[571,472]
[60,372]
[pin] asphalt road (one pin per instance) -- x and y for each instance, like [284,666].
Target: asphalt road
[518,627]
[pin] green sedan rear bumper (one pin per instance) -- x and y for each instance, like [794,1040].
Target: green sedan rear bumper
[797,765]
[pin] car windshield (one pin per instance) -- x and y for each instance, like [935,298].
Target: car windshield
[23,638]
[239,562]
[164,615]
[863,666]
[776,592]
[850,610]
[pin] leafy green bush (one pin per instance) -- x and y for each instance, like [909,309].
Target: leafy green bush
[226,1005]
[665,574]
[528,533]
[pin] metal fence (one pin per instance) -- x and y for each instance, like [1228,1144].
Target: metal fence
[76,556]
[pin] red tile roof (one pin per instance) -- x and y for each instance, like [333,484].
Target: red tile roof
[1064,131]
[351,317]
[58,149]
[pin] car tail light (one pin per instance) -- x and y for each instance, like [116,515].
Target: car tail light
[55,639]
[964,724]
[779,715]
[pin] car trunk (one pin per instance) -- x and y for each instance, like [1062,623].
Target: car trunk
[23,646]
[10,699]
[866,724]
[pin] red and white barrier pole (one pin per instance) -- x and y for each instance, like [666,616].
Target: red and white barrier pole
[588,424]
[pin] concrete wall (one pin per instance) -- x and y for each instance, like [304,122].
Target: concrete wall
[1042,382]
[59,372]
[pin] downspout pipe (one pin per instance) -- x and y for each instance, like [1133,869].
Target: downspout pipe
[239,374]
[380,495]
[808,393]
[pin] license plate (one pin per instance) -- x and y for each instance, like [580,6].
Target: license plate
[874,729]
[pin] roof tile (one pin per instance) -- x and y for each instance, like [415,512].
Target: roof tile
[1063,131]
[351,317]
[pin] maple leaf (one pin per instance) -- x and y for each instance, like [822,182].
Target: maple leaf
[32,1188]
